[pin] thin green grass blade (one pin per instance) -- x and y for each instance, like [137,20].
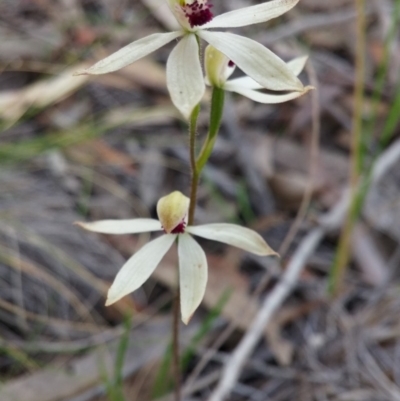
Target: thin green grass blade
[365,170]
[380,84]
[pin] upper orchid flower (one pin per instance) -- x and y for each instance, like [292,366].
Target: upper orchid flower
[219,68]
[184,74]
[172,213]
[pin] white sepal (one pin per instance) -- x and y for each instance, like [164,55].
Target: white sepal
[251,15]
[255,60]
[192,275]
[242,82]
[131,53]
[131,226]
[267,98]
[184,75]
[297,64]
[234,235]
[139,267]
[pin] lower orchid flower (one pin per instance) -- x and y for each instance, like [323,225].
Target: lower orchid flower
[172,212]
[219,68]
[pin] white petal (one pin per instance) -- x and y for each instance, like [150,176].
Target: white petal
[184,75]
[131,53]
[139,267]
[234,235]
[251,15]
[297,64]
[255,60]
[192,275]
[242,82]
[266,98]
[132,226]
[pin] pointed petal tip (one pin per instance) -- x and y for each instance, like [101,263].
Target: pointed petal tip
[80,224]
[299,86]
[307,89]
[185,113]
[303,89]
[265,250]
[85,226]
[80,72]
[112,298]
[186,319]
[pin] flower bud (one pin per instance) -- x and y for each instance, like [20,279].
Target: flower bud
[218,67]
[172,212]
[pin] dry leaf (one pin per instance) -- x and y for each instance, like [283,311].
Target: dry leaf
[13,104]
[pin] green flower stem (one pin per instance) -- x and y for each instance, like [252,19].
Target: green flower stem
[195,171]
[343,252]
[217,110]
[175,347]
[197,165]
[192,146]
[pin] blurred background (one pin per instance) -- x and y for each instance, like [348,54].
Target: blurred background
[87,148]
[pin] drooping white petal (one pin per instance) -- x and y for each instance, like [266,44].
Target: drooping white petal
[139,267]
[131,53]
[234,235]
[131,226]
[255,60]
[242,82]
[251,15]
[297,64]
[192,275]
[267,98]
[184,75]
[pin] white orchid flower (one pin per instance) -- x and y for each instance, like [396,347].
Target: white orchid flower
[172,212]
[184,74]
[219,68]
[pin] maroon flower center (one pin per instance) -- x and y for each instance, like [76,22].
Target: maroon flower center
[231,63]
[179,229]
[198,13]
